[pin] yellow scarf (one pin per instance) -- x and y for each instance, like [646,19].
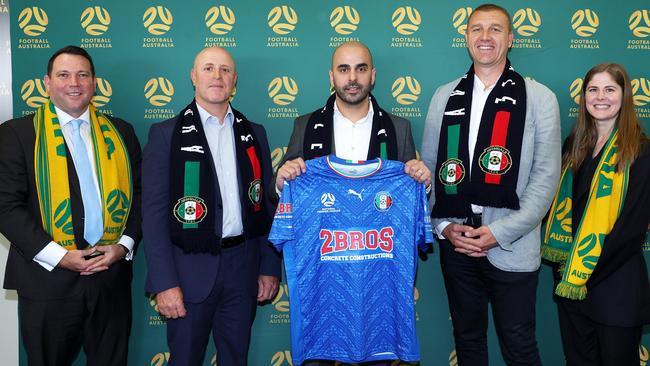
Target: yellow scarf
[580,252]
[113,169]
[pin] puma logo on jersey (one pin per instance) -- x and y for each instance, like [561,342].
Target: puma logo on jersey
[355,193]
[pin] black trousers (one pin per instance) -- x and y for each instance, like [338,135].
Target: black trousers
[97,319]
[588,343]
[471,284]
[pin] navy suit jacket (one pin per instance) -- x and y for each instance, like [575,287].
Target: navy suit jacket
[21,219]
[168,266]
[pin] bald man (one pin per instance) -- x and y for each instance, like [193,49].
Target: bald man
[207,217]
[351,125]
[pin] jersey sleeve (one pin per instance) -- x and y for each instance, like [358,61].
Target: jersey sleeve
[424,234]
[282,229]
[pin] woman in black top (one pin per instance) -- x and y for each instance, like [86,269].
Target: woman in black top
[598,223]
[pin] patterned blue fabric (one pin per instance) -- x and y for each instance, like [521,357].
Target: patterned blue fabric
[350,234]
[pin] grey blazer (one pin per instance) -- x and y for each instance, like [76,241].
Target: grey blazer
[516,231]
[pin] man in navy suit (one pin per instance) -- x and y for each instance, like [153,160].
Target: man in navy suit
[71,240]
[207,219]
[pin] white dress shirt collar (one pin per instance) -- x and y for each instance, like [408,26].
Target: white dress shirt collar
[205,115]
[65,118]
[368,117]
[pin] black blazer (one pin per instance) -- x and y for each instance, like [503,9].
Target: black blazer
[20,219]
[618,289]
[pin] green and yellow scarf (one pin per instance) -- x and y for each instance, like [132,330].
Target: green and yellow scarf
[113,169]
[579,253]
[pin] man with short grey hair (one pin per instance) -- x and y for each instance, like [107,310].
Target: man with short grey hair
[492,141]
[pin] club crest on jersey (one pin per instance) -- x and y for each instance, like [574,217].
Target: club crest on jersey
[451,172]
[383,201]
[495,160]
[255,191]
[190,210]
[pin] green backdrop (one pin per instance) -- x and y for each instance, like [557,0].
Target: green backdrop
[143,52]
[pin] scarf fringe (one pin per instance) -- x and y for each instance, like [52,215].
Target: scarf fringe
[553,254]
[571,291]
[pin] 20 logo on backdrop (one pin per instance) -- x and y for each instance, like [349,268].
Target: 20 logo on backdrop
[157,20]
[282,20]
[641,90]
[527,22]
[220,21]
[95,20]
[33,22]
[103,94]
[459,22]
[282,90]
[575,90]
[280,314]
[345,21]
[406,90]
[159,92]
[584,23]
[639,24]
[33,94]
[406,20]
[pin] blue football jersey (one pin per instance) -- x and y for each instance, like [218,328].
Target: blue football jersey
[350,234]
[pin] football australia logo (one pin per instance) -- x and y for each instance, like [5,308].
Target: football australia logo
[159,92]
[33,94]
[406,20]
[157,20]
[282,20]
[95,20]
[459,22]
[641,90]
[526,23]
[33,22]
[220,20]
[155,318]
[103,94]
[584,23]
[406,91]
[282,358]
[344,20]
[160,359]
[643,355]
[280,303]
[276,156]
[639,24]
[453,358]
[575,89]
[283,91]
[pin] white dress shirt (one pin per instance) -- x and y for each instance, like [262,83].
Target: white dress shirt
[352,138]
[221,140]
[50,256]
[479,96]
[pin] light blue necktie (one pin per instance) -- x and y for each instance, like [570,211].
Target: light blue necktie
[93,223]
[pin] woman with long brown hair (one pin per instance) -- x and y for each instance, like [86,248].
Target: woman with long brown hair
[597,224]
